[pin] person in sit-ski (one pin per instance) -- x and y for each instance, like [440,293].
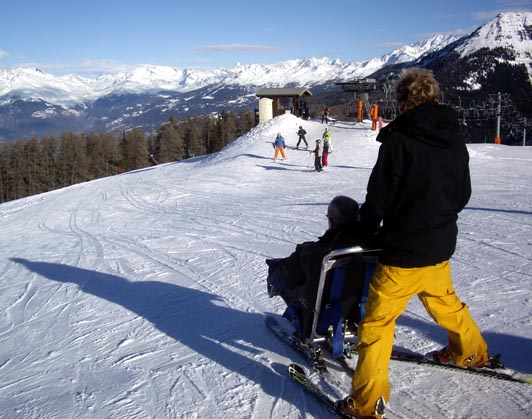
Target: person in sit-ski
[287,274]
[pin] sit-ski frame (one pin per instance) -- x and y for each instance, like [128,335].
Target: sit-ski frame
[332,260]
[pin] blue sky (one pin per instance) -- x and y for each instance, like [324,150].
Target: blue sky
[91,37]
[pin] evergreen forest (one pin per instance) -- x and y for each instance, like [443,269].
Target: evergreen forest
[29,167]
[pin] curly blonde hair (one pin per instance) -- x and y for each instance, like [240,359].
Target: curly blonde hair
[416,86]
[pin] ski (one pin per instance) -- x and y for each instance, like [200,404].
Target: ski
[315,356]
[298,374]
[312,353]
[495,368]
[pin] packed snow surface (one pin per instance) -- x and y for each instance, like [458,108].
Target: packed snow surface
[143,295]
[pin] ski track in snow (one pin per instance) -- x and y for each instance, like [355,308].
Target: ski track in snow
[143,294]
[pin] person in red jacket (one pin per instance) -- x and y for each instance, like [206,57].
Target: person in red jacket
[416,189]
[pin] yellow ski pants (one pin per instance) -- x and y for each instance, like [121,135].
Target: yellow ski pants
[390,290]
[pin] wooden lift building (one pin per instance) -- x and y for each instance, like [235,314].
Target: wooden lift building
[277,101]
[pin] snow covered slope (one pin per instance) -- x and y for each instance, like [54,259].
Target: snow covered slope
[143,295]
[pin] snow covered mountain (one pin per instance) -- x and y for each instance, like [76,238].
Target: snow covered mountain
[36,103]
[512,31]
[495,58]
[68,91]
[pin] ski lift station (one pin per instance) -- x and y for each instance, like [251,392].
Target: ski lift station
[277,101]
[360,90]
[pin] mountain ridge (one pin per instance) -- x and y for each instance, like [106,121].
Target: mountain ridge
[35,103]
[25,82]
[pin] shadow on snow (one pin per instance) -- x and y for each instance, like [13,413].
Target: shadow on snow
[199,320]
[515,350]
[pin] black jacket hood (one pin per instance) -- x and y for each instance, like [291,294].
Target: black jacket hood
[429,123]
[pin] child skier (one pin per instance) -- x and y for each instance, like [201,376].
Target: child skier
[317,156]
[279,146]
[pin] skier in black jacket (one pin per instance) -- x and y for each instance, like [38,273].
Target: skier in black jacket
[301,133]
[418,186]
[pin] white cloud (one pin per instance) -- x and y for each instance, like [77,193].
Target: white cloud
[3,53]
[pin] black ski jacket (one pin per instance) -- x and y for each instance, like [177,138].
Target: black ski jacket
[305,261]
[418,186]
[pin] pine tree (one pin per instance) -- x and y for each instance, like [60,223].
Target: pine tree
[210,134]
[228,128]
[245,123]
[34,176]
[18,164]
[72,159]
[103,155]
[9,173]
[170,144]
[134,148]
[193,134]
[49,152]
